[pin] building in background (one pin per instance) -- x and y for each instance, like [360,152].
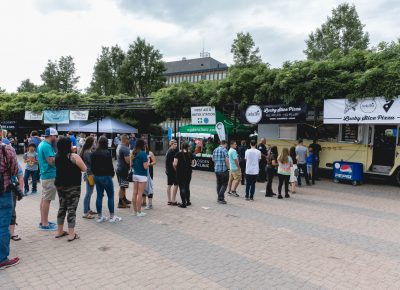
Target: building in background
[195,70]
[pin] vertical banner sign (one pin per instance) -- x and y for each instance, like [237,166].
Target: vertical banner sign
[203,115]
[220,128]
[56,117]
[33,116]
[169,133]
[78,115]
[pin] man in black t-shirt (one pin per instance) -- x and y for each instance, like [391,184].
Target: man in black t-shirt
[316,150]
[263,162]
[172,183]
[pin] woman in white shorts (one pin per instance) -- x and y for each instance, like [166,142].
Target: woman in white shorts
[140,164]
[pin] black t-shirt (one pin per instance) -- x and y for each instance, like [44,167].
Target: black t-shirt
[316,148]
[263,149]
[169,160]
[184,168]
[102,164]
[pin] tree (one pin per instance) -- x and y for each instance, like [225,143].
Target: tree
[60,76]
[141,72]
[244,51]
[105,75]
[2,90]
[342,31]
[27,86]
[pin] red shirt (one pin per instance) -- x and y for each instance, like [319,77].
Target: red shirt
[12,168]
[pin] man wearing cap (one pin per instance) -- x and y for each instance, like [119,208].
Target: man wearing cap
[47,176]
[8,168]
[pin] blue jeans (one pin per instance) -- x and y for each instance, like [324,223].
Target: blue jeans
[34,175]
[250,185]
[88,195]
[6,208]
[104,183]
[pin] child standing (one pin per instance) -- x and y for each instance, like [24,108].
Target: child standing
[310,160]
[31,169]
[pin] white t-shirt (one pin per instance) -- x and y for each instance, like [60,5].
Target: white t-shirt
[252,157]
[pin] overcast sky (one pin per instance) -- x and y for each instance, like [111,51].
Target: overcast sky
[33,31]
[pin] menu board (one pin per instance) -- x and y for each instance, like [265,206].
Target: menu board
[349,132]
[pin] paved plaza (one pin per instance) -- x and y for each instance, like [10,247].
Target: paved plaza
[327,236]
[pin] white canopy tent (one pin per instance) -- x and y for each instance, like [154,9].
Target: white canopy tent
[108,125]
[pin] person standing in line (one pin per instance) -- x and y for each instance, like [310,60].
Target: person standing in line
[132,142]
[35,139]
[242,160]
[172,183]
[71,136]
[152,162]
[310,160]
[235,173]
[68,182]
[253,157]
[294,172]
[301,152]
[103,170]
[88,178]
[262,147]
[8,168]
[81,142]
[183,165]
[272,164]
[117,140]
[317,150]
[31,169]
[285,164]
[123,163]
[47,176]
[221,169]
[209,146]
[140,165]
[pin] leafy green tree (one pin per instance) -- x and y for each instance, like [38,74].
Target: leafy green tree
[141,72]
[105,77]
[27,86]
[60,76]
[244,51]
[2,90]
[342,31]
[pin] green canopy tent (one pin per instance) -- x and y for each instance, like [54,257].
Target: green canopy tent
[210,129]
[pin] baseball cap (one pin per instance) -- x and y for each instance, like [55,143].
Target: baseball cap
[50,132]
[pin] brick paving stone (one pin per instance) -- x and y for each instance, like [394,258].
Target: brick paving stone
[324,237]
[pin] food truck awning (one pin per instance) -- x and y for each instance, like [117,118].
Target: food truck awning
[210,129]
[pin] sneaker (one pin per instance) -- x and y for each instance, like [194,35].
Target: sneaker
[182,205]
[287,196]
[188,203]
[9,263]
[222,201]
[48,228]
[280,196]
[34,192]
[26,192]
[101,219]
[115,219]
[251,199]
[140,214]
[50,224]
[234,193]
[247,198]
[150,206]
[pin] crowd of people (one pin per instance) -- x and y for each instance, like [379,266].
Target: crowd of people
[61,163]
[262,163]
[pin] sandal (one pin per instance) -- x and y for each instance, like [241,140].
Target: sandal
[76,237]
[88,216]
[62,235]
[15,238]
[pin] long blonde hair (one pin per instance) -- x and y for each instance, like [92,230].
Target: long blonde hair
[284,156]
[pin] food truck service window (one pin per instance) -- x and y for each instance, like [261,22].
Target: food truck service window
[288,131]
[323,132]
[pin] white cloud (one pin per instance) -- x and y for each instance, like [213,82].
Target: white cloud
[34,31]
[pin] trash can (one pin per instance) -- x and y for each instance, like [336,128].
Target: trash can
[348,171]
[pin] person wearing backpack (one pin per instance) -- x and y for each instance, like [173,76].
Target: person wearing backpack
[8,168]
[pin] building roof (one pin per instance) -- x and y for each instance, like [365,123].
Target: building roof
[194,65]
